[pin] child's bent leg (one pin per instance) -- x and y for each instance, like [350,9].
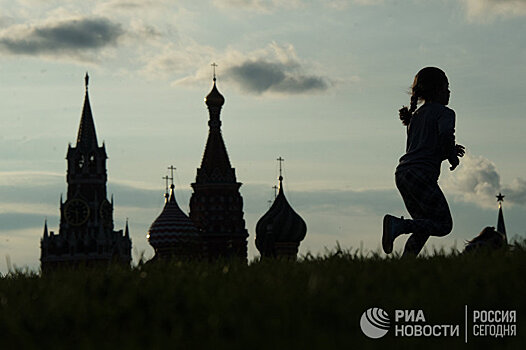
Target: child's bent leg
[414,244]
[425,202]
[428,207]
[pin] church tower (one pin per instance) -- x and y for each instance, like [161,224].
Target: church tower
[501,227]
[216,206]
[86,234]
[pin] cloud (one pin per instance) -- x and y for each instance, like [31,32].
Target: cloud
[343,4]
[478,180]
[274,69]
[130,5]
[483,10]
[5,21]
[264,6]
[516,191]
[268,6]
[259,76]
[67,37]
[178,59]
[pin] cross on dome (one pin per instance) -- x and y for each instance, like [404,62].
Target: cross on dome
[214,65]
[172,168]
[280,160]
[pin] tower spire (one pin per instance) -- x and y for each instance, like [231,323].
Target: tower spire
[501,227]
[45,229]
[87,137]
[127,230]
[221,227]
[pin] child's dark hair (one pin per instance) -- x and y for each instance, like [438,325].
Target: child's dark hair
[428,82]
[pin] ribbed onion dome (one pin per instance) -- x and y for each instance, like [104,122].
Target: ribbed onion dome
[172,227]
[280,224]
[214,98]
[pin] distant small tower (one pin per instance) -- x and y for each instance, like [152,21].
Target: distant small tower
[500,221]
[280,231]
[173,235]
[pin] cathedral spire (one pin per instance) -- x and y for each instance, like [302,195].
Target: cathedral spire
[87,137]
[216,206]
[45,229]
[127,230]
[215,163]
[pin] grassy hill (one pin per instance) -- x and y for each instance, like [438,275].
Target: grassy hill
[315,303]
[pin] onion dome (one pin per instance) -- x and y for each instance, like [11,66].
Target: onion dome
[214,98]
[280,231]
[173,233]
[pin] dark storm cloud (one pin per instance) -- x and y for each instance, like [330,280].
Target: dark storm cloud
[62,37]
[261,76]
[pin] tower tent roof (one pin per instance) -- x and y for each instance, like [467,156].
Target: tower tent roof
[215,165]
[87,136]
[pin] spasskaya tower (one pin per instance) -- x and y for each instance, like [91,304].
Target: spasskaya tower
[86,233]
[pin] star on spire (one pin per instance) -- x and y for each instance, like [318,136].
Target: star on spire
[500,197]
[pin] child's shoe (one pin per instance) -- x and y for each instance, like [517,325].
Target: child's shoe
[393,227]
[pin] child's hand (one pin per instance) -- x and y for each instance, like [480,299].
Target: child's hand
[453,160]
[460,150]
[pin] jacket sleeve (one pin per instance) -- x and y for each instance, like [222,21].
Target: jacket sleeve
[446,133]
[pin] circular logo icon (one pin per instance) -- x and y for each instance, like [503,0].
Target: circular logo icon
[375,323]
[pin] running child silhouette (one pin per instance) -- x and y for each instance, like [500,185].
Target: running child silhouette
[430,140]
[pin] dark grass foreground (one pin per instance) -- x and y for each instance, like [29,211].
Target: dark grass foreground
[313,304]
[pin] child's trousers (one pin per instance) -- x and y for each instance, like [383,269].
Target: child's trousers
[427,206]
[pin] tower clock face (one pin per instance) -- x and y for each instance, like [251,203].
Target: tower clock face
[106,212]
[76,211]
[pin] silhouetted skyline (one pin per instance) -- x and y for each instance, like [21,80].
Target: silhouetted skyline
[317,82]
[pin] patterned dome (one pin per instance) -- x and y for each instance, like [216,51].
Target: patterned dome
[172,228]
[279,226]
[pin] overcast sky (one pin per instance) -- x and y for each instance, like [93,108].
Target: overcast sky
[317,82]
